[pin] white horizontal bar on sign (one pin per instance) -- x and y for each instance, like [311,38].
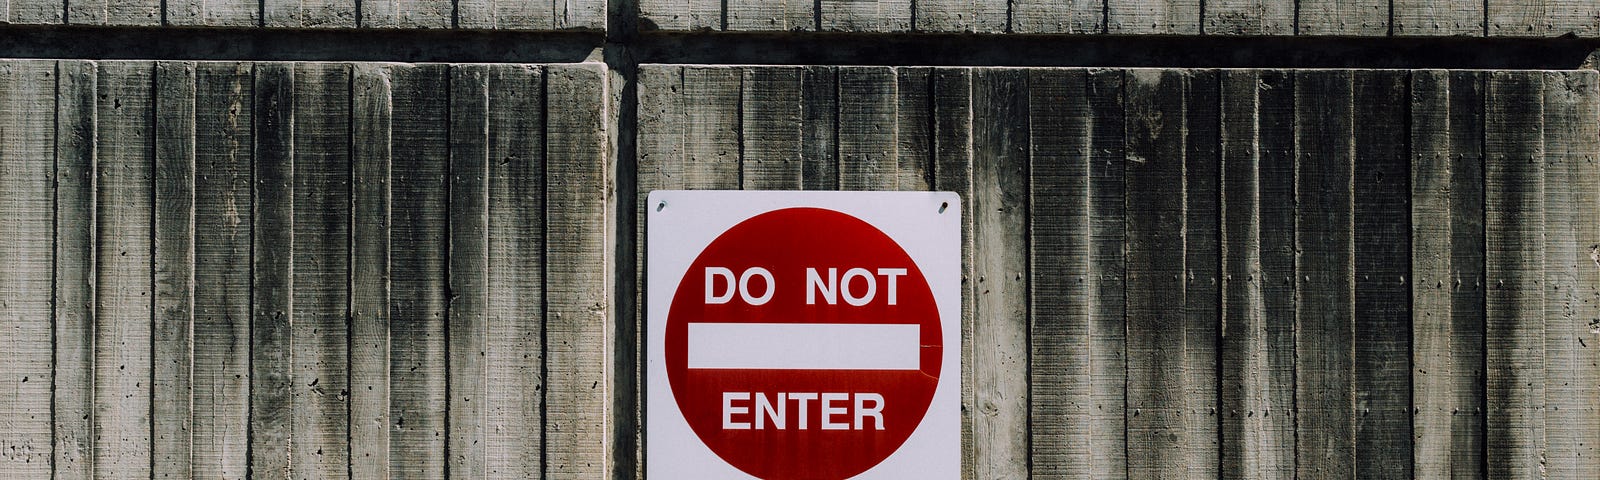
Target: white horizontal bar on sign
[805,346]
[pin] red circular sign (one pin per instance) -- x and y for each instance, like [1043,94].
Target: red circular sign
[795,422]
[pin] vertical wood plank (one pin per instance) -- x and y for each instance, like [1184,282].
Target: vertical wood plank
[1054,16]
[35,11]
[1545,18]
[819,110]
[271,273]
[313,13]
[469,264]
[868,127]
[1435,18]
[174,263]
[72,402]
[710,129]
[122,390]
[1249,17]
[577,331]
[215,13]
[865,15]
[28,101]
[1203,281]
[1383,357]
[1000,264]
[1325,293]
[1467,269]
[1244,393]
[1058,217]
[1108,324]
[1140,17]
[1571,274]
[371,126]
[771,127]
[515,357]
[952,156]
[1155,223]
[417,337]
[406,13]
[223,122]
[913,129]
[1514,224]
[1366,18]
[1432,387]
[505,14]
[321,266]
[1276,122]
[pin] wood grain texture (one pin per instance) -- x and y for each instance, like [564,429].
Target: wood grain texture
[1108,324]
[28,98]
[913,130]
[1141,17]
[1051,16]
[1244,392]
[1571,274]
[710,128]
[114,12]
[1203,278]
[1325,443]
[1058,218]
[321,290]
[1433,365]
[35,11]
[1000,300]
[1249,17]
[223,123]
[577,330]
[515,357]
[580,14]
[1438,18]
[952,160]
[1542,18]
[681,14]
[468,326]
[271,274]
[173,406]
[1467,269]
[407,13]
[1368,18]
[1382,276]
[371,137]
[217,13]
[868,129]
[819,110]
[504,14]
[1155,223]
[1514,221]
[314,13]
[971,16]
[76,191]
[769,15]
[1276,121]
[865,15]
[418,264]
[123,321]
[770,122]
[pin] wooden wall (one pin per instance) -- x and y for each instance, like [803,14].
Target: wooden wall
[1217,273]
[303,270]
[1364,18]
[429,14]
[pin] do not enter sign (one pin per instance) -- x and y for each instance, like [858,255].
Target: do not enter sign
[803,335]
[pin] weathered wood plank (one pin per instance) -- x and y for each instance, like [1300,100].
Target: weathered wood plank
[1054,16]
[321,294]
[868,128]
[1141,17]
[114,12]
[315,13]
[468,327]
[913,129]
[1382,308]
[865,15]
[1438,18]
[419,248]
[1249,17]
[1276,122]
[123,306]
[1571,274]
[515,357]
[371,125]
[406,13]
[1432,387]
[1514,221]
[680,15]
[1059,350]
[173,408]
[216,13]
[1000,263]
[954,16]
[1366,18]
[1107,233]
[271,274]
[952,157]
[1542,18]
[1154,176]
[223,124]
[27,171]
[1244,392]
[76,176]
[710,129]
[770,108]
[35,12]
[1467,269]
[1325,293]
[819,110]
[505,14]
[1203,281]
[577,328]
[769,15]
[581,14]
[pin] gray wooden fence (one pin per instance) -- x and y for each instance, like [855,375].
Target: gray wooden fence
[1203,273]
[464,14]
[303,270]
